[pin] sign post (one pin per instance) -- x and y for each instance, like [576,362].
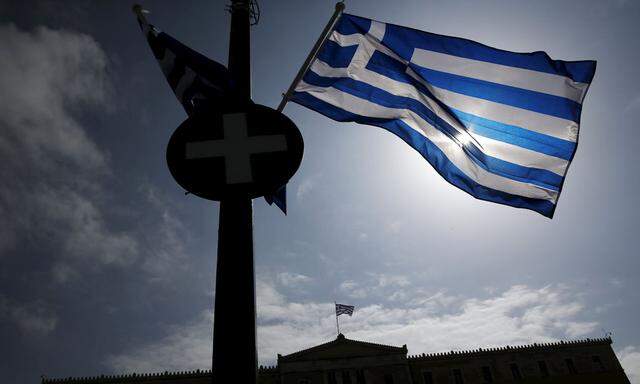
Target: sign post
[233,151]
[234,325]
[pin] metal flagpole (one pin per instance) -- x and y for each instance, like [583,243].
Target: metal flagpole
[312,55]
[234,328]
[337,323]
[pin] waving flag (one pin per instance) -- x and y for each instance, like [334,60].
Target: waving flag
[342,309]
[196,80]
[500,125]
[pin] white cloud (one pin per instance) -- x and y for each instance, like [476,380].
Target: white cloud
[632,105]
[394,226]
[166,253]
[185,347]
[377,285]
[288,279]
[353,289]
[56,170]
[630,360]
[518,315]
[306,186]
[35,317]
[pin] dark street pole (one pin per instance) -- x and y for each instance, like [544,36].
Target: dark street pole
[234,331]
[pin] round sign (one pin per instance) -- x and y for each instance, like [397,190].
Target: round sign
[250,151]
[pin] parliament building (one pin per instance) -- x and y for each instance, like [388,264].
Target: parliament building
[346,361]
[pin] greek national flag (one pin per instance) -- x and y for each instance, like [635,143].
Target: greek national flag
[194,78]
[500,125]
[343,309]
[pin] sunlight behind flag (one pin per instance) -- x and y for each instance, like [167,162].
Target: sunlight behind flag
[499,125]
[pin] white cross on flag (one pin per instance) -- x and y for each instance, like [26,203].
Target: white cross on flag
[342,309]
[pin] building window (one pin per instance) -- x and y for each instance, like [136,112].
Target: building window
[486,374]
[388,378]
[360,376]
[346,377]
[544,371]
[598,363]
[515,371]
[331,378]
[457,376]
[427,377]
[570,366]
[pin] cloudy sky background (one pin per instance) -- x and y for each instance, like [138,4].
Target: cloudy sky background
[106,267]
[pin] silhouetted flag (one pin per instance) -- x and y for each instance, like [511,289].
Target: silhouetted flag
[193,77]
[500,125]
[196,80]
[342,309]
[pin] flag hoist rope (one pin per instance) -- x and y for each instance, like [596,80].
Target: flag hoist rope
[312,55]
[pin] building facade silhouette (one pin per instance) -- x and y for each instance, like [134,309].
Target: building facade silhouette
[346,361]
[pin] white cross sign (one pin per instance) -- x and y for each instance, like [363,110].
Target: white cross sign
[236,148]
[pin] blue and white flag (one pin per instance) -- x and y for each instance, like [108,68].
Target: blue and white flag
[194,78]
[500,125]
[343,309]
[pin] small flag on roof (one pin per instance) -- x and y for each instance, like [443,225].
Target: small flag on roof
[342,309]
[502,126]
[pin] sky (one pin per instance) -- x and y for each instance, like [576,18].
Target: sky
[106,267]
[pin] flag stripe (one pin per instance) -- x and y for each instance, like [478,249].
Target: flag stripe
[508,114]
[441,162]
[511,116]
[362,90]
[507,152]
[368,109]
[512,134]
[404,40]
[516,97]
[542,82]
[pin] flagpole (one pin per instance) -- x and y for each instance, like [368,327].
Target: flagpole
[234,326]
[337,323]
[312,55]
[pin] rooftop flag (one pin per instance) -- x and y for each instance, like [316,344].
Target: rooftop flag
[342,309]
[502,126]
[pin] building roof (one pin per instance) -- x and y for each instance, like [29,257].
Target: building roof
[535,347]
[128,378]
[339,341]
[342,341]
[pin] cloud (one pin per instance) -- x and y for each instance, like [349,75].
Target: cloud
[518,315]
[632,105]
[630,360]
[378,285]
[395,226]
[166,253]
[353,289]
[35,317]
[56,171]
[306,186]
[288,279]
[185,347]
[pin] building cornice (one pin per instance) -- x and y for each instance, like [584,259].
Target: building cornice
[535,347]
